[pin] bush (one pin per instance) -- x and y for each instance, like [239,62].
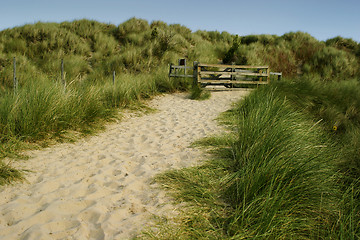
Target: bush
[132,25]
[346,44]
[333,64]
[104,45]
[86,29]
[230,55]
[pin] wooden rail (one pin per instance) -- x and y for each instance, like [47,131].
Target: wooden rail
[277,74]
[179,71]
[230,75]
[221,74]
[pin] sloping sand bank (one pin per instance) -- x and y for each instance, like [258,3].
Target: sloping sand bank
[100,187]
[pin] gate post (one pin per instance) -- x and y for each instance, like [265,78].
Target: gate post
[170,70]
[196,73]
[114,77]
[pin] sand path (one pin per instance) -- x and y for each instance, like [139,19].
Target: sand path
[100,187]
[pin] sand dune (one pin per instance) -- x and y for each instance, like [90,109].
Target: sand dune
[101,187]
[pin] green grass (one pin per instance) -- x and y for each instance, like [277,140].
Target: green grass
[42,108]
[198,93]
[277,176]
[289,169]
[280,173]
[8,174]
[140,52]
[334,104]
[42,111]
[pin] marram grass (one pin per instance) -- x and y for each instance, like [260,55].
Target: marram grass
[41,110]
[140,52]
[275,177]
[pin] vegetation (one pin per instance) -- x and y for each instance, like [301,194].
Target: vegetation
[290,167]
[198,93]
[282,173]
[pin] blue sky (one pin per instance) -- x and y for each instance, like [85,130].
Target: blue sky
[323,19]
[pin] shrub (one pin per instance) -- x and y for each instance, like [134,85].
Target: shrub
[346,44]
[230,55]
[132,25]
[281,59]
[303,45]
[17,45]
[331,63]
[86,29]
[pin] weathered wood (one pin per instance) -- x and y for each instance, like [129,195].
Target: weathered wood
[182,62]
[113,77]
[220,89]
[170,69]
[232,81]
[226,74]
[261,78]
[195,69]
[184,65]
[231,66]
[196,73]
[203,73]
[180,75]
[232,70]
[180,67]
[180,70]
[276,73]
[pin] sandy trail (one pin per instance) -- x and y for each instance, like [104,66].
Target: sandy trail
[100,187]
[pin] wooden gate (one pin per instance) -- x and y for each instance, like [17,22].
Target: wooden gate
[230,75]
[220,74]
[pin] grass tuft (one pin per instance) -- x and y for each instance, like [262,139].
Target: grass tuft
[276,176]
[198,93]
[8,174]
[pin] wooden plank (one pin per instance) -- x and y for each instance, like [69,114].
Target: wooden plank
[222,88]
[203,73]
[183,62]
[276,73]
[198,71]
[180,75]
[237,79]
[181,67]
[170,69]
[196,74]
[232,81]
[234,66]
[231,66]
